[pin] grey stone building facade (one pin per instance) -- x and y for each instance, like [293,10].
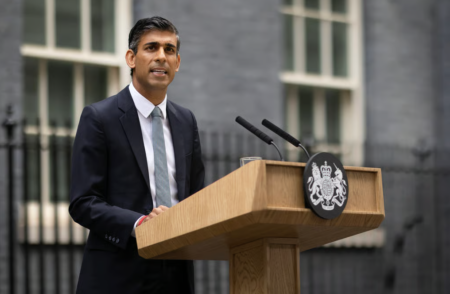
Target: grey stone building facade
[232,57]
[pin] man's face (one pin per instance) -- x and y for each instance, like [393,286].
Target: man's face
[156,60]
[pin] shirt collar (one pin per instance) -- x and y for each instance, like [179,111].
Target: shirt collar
[144,106]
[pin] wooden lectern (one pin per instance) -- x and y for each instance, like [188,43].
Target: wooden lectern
[255,217]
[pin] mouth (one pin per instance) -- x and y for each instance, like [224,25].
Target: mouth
[158,72]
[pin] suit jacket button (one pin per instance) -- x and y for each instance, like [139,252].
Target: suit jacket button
[117,240]
[106,236]
[114,239]
[109,238]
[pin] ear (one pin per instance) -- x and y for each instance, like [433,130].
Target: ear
[130,58]
[178,62]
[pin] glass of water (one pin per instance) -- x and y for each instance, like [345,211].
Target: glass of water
[245,160]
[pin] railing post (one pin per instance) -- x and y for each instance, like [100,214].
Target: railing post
[9,124]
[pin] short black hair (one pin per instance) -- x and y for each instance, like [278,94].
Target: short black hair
[147,24]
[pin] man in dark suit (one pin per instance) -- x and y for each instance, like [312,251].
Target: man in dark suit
[135,155]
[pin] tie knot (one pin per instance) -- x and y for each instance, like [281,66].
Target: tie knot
[156,112]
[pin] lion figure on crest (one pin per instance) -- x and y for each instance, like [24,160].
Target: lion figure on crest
[315,184]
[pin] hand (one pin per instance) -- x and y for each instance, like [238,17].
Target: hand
[155,212]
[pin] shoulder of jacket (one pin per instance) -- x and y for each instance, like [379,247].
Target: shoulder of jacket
[105,104]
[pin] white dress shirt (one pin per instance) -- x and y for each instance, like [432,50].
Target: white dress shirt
[144,109]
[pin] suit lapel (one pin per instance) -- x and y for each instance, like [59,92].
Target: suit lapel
[178,146]
[132,128]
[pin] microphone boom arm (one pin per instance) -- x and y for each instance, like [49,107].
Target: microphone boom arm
[304,149]
[276,147]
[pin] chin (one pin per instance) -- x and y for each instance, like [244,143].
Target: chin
[158,86]
[159,83]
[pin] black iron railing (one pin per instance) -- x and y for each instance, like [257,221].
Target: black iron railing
[45,246]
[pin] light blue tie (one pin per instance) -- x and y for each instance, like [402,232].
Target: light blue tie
[159,152]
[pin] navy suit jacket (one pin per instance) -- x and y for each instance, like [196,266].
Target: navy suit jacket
[110,190]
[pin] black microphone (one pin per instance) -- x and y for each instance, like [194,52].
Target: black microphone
[283,135]
[258,133]
[280,132]
[254,130]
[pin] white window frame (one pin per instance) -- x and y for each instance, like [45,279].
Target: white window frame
[118,77]
[352,101]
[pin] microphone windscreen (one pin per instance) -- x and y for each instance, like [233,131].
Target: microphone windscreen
[280,132]
[254,130]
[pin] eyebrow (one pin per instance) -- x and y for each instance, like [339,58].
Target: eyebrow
[157,43]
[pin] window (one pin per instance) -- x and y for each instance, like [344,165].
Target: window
[73,55]
[324,84]
[323,77]
[76,24]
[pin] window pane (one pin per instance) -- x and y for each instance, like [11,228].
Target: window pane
[60,90]
[340,59]
[32,166]
[333,116]
[102,25]
[306,96]
[339,6]
[68,32]
[59,159]
[95,83]
[312,44]
[30,91]
[288,43]
[34,22]
[312,4]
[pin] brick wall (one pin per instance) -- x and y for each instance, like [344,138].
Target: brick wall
[442,60]
[230,59]
[399,68]
[407,90]
[10,93]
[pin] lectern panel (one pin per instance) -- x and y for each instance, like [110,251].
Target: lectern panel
[284,186]
[362,191]
[263,199]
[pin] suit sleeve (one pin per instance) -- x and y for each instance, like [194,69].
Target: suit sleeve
[197,167]
[88,191]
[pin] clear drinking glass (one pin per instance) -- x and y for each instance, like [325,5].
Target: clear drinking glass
[245,160]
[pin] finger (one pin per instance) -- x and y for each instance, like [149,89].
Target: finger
[157,210]
[152,215]
[163,208]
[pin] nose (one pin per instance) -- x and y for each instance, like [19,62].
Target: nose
[160,55]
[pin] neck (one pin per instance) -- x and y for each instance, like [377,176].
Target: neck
[155,96]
